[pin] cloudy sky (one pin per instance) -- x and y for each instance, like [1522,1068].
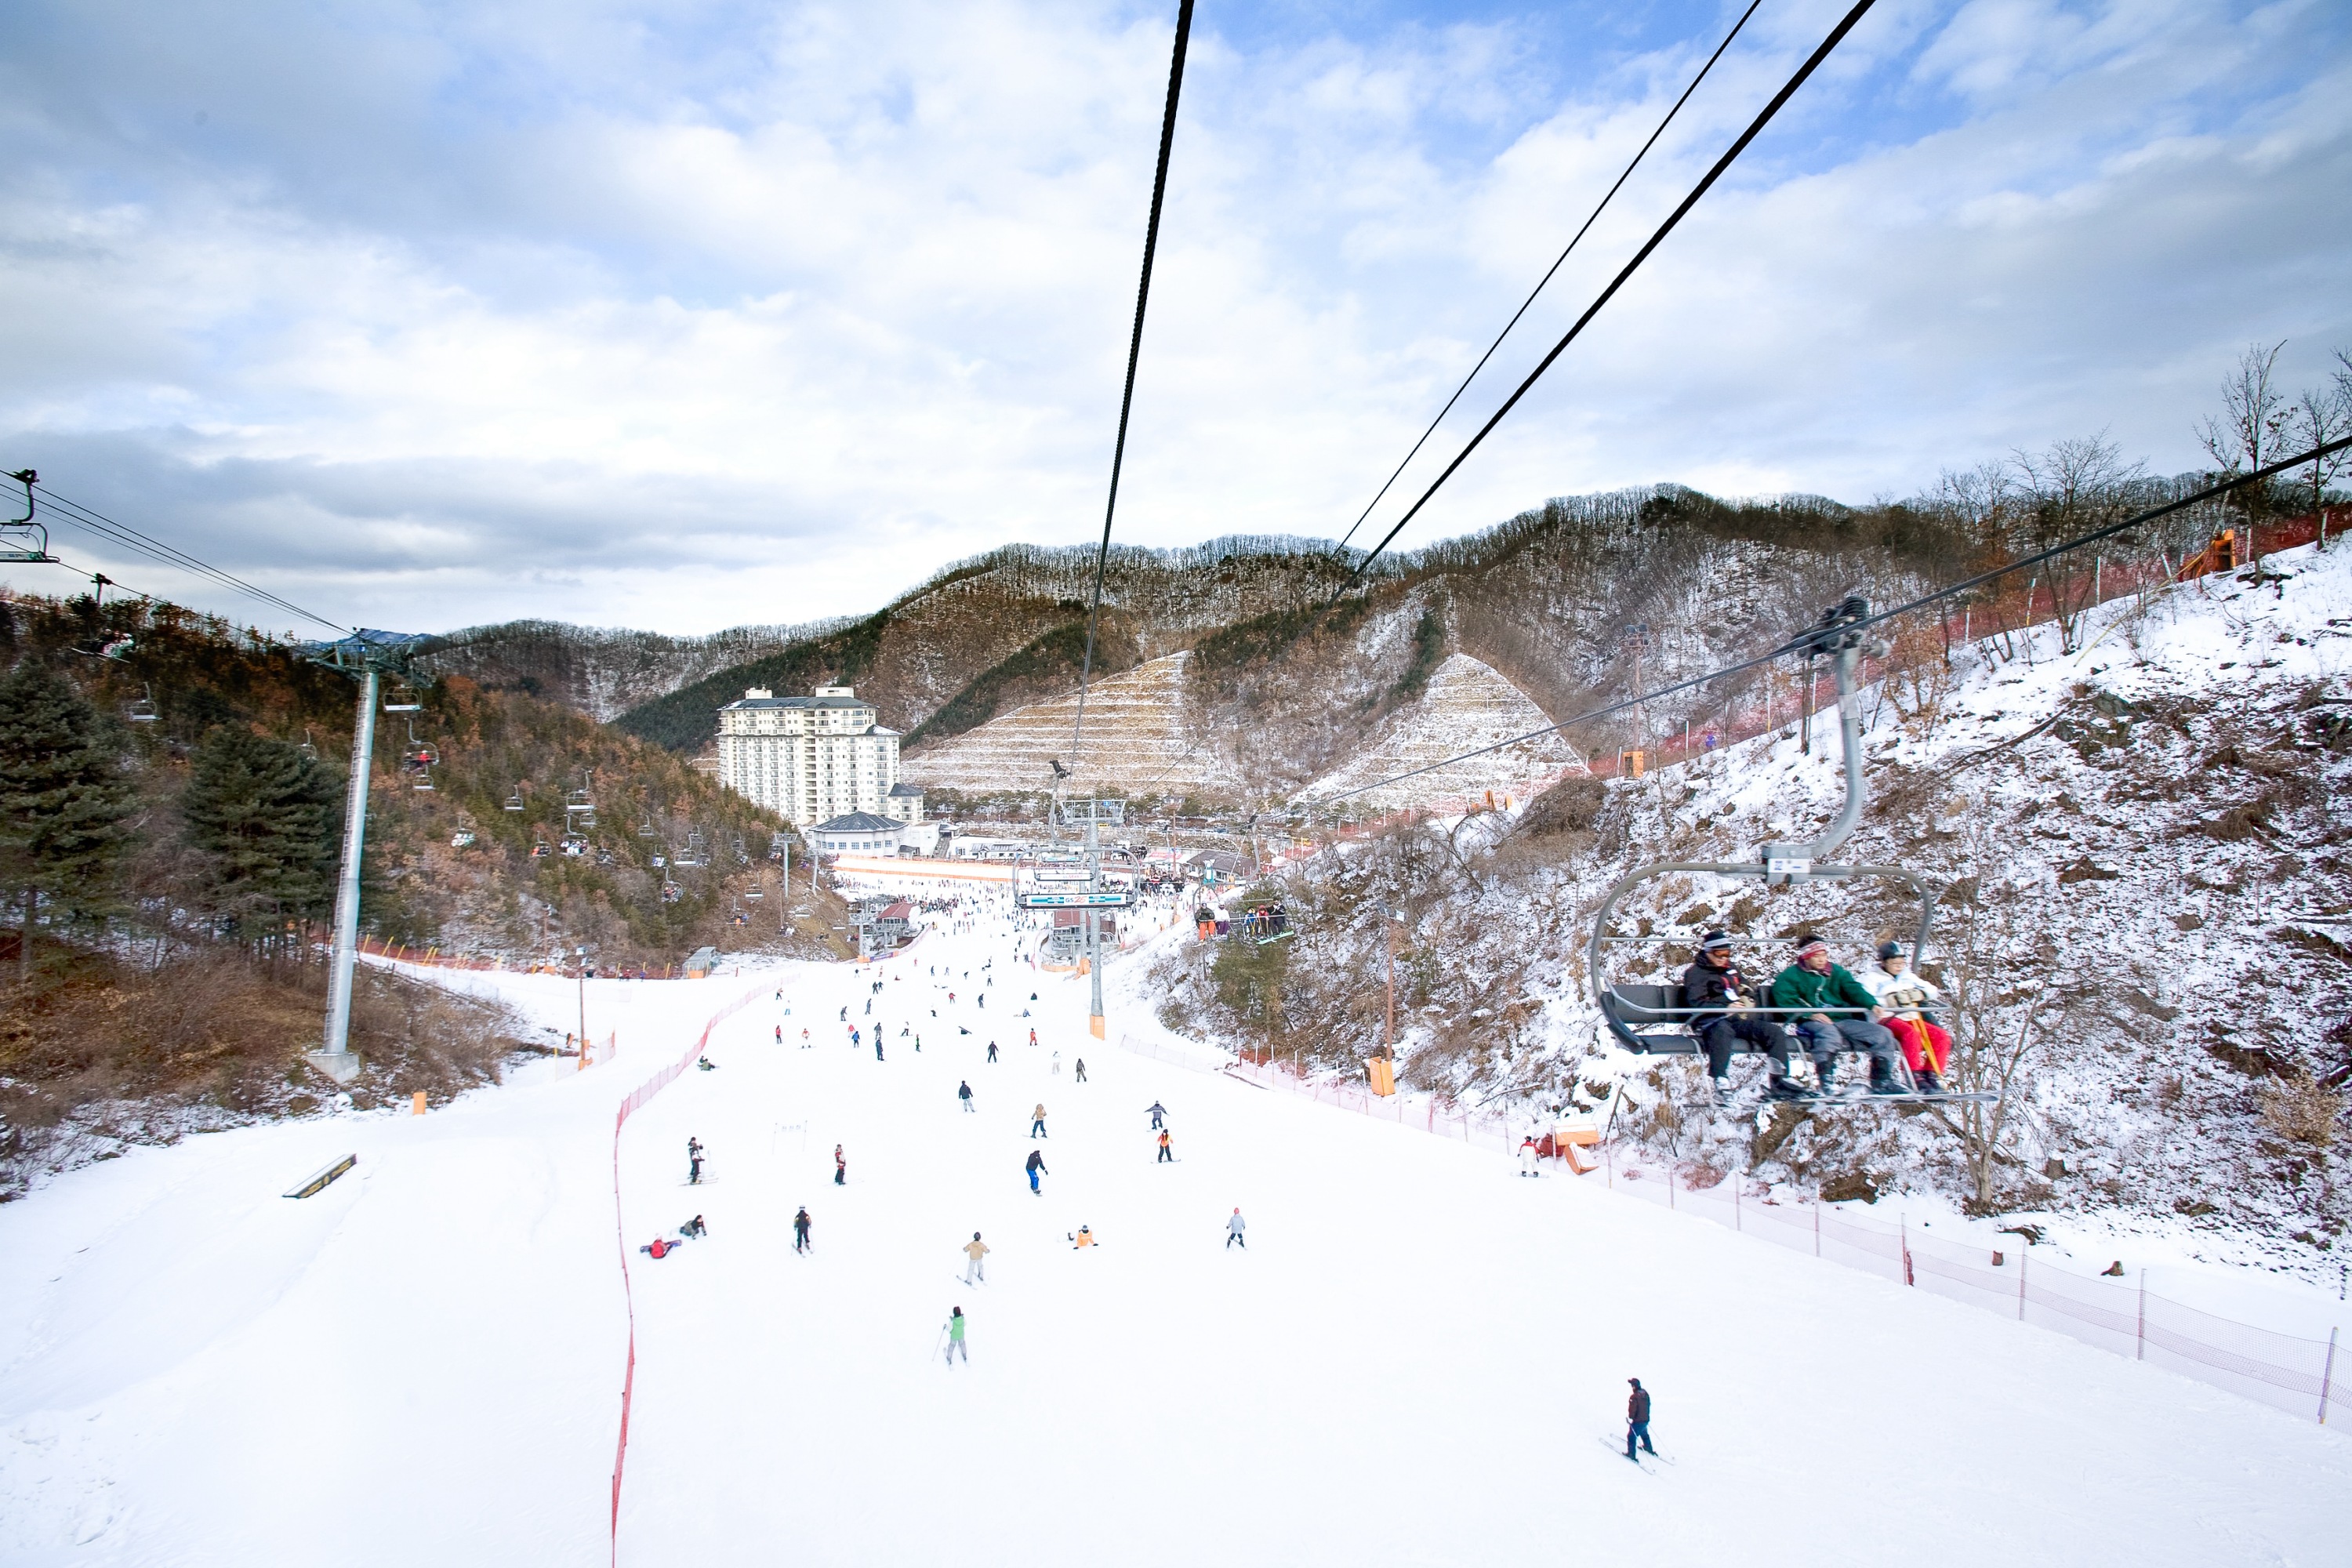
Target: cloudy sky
[696,313]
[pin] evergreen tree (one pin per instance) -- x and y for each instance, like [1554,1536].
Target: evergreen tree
[263,816]
[63,801]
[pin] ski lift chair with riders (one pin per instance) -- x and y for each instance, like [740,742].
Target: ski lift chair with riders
[1650,1020]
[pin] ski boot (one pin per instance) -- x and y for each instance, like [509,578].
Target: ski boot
[1884,1082]
[1719,1088]
[1929,1083]
[1786,1088]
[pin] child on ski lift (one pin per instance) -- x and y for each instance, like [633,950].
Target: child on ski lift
[1926,1045]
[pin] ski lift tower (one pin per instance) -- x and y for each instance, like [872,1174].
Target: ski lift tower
[1094,813]
[367,657]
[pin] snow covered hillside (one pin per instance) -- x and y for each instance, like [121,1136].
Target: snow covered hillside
[1467,707]
[2139,845]
[1420,1357]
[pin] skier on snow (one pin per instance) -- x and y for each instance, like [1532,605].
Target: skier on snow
[801,1230]
[976,1269]
[840,1167]
[1036,1167]
[694,1162]
[1233,1228]
[1082,1070]
[1528,1156]
[1167,1155]
[955,1338]
[1637,1418]
[1037,1121]
[963,1092]
[1158,1112]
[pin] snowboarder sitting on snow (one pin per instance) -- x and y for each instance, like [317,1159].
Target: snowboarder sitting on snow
[1637,1419]
[1835,1014]
[1083,1239]
[705,1064]
[1036,1168]
[694,1227]
[1718,998]
[1926,1047]
[660,1248]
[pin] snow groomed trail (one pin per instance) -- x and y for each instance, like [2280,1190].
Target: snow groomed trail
[1410,1364]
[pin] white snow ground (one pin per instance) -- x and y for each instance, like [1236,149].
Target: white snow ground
[1411,1364]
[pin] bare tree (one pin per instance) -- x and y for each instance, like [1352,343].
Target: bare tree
[2321,415]
[2252,424]
[2074,485]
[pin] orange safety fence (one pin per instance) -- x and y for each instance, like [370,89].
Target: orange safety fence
[629,1107]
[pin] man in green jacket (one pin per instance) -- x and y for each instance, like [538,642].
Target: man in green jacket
[1832,1011]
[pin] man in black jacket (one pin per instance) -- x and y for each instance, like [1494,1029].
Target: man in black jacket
[1718,1000]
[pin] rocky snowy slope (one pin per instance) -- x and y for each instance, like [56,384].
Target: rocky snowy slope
[1136,741]
[2138,844]
[1467,707]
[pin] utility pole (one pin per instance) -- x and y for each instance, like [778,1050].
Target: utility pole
[1638,642]
[1388,1019]
[580,962]
[367,655]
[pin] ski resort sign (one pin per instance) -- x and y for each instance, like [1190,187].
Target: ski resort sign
[1075,901]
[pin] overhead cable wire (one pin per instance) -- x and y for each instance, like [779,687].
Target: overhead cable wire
[1558,262]
[81,516]
[2065,547]
[1134,352]
[1813,62]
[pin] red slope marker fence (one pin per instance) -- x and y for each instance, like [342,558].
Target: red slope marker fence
[637,1098]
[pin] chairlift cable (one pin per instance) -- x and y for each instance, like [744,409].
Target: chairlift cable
[168,555]
[1798,644]
[1134,352]
[1756,127]
[1558,262]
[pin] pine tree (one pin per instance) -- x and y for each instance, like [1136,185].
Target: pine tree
[262,814]
[63,801]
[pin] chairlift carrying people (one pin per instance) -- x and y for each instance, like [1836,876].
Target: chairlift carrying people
[1648,1018]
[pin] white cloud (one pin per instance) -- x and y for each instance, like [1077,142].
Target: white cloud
[761,315]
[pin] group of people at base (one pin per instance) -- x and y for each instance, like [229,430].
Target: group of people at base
[1817,1004]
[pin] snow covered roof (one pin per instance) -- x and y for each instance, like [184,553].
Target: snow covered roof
[860,821]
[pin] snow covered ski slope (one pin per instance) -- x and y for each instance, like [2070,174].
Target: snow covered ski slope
[1407,1365]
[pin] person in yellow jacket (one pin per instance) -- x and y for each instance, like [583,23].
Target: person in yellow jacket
[1085,1238]
[975,1269]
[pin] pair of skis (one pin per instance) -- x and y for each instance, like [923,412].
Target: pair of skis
[1646,1460]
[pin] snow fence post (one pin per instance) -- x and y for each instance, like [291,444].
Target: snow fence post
[2139,1337]
[2327,1377]
[2024,1255]
[1817,1222]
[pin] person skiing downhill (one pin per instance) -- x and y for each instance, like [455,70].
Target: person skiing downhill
[1032,1036]
[963,1092]
[1233,1228]
[1637,1419]
[955,1338]
[1159,1112]
[1036,1167]
[694,1162]
[977,1269]
[1081,1076]
[1037,1121]
[992,1047]
[800,1229]
[1166,1154]
[840,1167]
[1528,1156]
